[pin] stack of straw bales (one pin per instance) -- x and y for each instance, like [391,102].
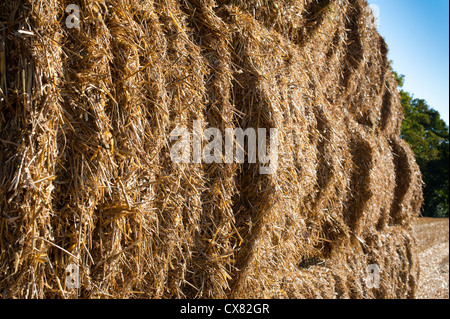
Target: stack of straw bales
[86,176]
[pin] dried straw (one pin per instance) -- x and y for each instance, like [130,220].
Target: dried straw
[86,176]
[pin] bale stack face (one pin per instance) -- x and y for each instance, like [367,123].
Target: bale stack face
[86,177]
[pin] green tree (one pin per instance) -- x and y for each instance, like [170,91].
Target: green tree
[428,136]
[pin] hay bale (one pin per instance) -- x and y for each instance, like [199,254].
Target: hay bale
[86,176]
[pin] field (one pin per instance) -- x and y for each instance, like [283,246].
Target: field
[432,240]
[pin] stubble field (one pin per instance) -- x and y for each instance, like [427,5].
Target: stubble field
[433,245]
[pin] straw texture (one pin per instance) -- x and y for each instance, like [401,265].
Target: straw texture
[86,176]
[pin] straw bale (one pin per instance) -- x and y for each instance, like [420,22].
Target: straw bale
[86,176]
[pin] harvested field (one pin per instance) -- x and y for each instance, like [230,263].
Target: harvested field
[433,252]
[87,181]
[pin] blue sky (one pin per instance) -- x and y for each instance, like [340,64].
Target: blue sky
[417,33]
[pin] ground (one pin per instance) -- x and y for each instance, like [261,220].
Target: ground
[432,236]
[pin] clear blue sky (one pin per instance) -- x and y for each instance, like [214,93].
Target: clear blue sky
[417,33]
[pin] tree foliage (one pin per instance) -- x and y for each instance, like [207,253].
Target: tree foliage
[428,136]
